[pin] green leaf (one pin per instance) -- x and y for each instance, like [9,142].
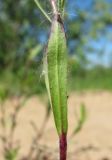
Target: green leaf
[34,52]
[82,119]
[42,10]
[11,154]
[55,66]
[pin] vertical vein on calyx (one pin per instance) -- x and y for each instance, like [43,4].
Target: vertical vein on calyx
[57,71]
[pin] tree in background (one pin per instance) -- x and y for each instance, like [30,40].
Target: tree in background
[87,25]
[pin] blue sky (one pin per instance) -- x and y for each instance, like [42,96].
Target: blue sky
[103,44]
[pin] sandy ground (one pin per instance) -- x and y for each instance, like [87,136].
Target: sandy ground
[94,142]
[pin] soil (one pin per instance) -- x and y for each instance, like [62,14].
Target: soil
[93,142]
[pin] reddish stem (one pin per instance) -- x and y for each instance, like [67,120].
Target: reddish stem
[63,147]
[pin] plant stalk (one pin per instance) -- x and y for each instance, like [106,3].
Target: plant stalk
[63,146]
[54,7]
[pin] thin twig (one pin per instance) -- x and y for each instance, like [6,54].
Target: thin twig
[3,124]
[14,119]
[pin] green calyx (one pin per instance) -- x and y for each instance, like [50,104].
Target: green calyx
[55,66]
[61,5]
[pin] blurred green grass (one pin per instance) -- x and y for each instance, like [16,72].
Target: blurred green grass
[96,78]
[30,82]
